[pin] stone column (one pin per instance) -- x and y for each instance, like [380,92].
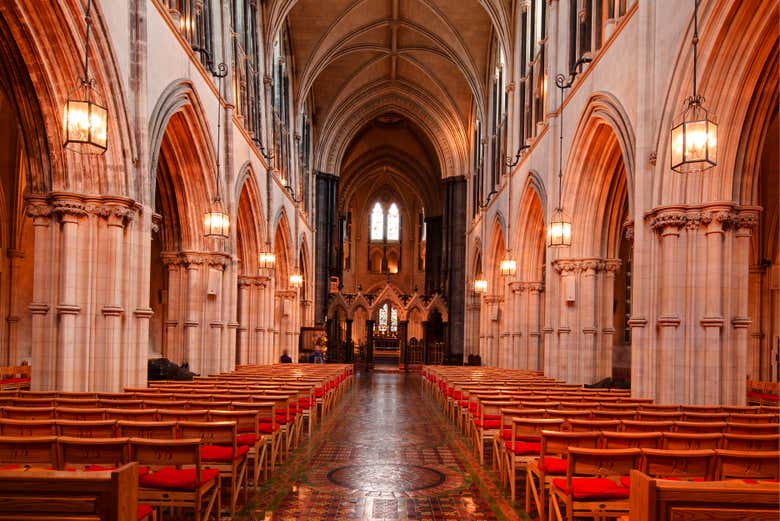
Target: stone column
[349,350]
[173,342]
[668,370]
[15,356]
[112,310]
[586,371]
[403,333]
[533,334]
[43,361]
[567,359]
[192,335]
[708,365]
[69,355]
[245,296]
[369,345]
[607,341]
[735,370]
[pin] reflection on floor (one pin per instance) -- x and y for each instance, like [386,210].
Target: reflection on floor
[384,453]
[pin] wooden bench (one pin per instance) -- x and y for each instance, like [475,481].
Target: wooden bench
[44,495]
[663,500]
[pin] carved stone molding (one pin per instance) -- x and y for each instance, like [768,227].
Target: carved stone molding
[715,217]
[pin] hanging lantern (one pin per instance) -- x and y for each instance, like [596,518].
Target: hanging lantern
[85,121]
[508,267]
[559,231]
[296,280]
[694,139]
[266,260]
[695,134]
[216,223]
[480,285]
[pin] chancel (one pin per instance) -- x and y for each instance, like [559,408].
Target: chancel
[389,259]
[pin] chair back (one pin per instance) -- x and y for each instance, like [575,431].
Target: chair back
[734,441]
[592,425]
[740,464]
[631,440]
[156,430]
[679,464]
[90,452]
[691,441]
[29,413]
[166,453]
[177,415]
[753,428]
[87,429]
[646,426]
[28,451]
[132,414]
[699,427]
[10,427]
[78,413]
[602,463]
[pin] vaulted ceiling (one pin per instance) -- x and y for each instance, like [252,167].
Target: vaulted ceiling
[425,60]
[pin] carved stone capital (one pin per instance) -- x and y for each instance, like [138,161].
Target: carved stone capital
[668,219]
[566,266]
[612,265]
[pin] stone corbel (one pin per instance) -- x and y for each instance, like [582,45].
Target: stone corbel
[517,287]
[667,218]
[612,265]
[535,287]
[170,258]
[563,266]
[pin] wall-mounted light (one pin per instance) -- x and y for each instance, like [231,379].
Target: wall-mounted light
[508,267]
[296,280]
[266,260]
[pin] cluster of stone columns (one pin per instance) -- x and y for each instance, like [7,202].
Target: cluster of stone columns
[89,328]
[256,330]
[199,326]
[698,351]
[580,325]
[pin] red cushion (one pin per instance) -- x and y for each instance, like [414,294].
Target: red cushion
[463,403]
[143,511]
[265,428]
[523,447]
[177,479]
[10,467]
[472,407]
[489,424]
[506,434]
[222,452]
[247,439]
[456,395]
[770,397]
[15,380]
[552,465]
[318,392]
[304,403]
[492,416]
[592,488]
[625,481]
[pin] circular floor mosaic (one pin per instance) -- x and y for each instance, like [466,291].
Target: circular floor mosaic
[387,477]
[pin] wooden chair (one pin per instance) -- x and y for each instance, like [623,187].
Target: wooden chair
[747,465]
[43,400]
[720,417]
[576,425]
[753,418]
[699,427]
[9,427]
[177,478]
[646,426]
[592,486]
[505,434]
[552,462]
[631,440]
[177,415]
[268,429]
[487,423]
[118,403]
[752,428]
[220,450]
[28,452]
[248,434]
[29,413]
[644,415]
[78,413]
[690,465]
[734,441]
[90,403]
[611,414]
[524,445]
[132,414]
[156,430]
[92,453]
[87,429]
[691,441]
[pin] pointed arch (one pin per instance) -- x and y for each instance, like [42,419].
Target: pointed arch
[250,222]
[282,248]
[529,239]
[496,252]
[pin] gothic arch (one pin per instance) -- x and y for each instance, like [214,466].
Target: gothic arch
[496,252]
[41,49]
[599,177]
[739,46]
[250,225]
[283,249]
[529,239]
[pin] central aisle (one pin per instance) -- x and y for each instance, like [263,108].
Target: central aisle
[386,453]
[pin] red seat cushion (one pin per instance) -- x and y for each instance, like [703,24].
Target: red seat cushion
[10,467]
[625,481]
[318,392]
[143,511]
[523,447]
[177,479]
[492,416]
[472,407]
[247,439]
[463,403]
[265,428]
[14,380]
[552,465]
[506,434]
[592,488]
[222,452]
[489,424]
[304,403]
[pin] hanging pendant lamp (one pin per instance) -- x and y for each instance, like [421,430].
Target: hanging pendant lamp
[216,221]
[85,120]
[695,134]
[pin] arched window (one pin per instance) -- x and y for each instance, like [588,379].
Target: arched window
[383,319]
[377,223]
[393,223]
[393,320]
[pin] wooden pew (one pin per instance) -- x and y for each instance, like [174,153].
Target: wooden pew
[43,495]
[664,500]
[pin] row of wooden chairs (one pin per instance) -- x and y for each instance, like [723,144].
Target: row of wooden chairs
[15,377]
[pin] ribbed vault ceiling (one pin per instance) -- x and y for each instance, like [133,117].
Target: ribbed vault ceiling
[356,60]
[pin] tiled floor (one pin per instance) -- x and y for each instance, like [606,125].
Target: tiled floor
[384,453]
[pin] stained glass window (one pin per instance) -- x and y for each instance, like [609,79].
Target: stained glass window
[393,320]
[377,223]
[383,319]
[393,224]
